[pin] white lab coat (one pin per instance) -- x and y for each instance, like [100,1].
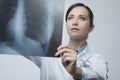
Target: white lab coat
[93,65]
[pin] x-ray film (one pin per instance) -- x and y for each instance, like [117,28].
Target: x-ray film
[31,27]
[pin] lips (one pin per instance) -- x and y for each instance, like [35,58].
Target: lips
[74,29]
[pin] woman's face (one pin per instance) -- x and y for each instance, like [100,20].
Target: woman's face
[78,23]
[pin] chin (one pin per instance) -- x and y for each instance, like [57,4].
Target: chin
[75,37]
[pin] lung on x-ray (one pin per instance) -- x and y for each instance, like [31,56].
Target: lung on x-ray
[31,27]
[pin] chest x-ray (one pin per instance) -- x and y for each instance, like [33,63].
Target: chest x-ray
[31,27]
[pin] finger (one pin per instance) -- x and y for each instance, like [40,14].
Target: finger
[69,55]
[62,46]
[64,50]
[68,60]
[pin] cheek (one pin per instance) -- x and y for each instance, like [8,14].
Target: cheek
[84,26]
[84,29]
[68,26]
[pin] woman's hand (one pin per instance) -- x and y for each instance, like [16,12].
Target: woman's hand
[69,59]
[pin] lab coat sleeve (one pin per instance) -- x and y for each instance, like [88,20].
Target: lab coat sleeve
[95,68]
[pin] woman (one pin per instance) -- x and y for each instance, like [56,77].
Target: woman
[76,61]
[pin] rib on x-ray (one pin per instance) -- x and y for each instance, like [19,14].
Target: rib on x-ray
[31,27]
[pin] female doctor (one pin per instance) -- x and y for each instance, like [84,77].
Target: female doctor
[77,62]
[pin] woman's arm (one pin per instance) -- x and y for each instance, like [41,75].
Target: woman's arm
[96,70]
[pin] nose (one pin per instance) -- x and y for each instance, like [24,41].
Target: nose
[75,22]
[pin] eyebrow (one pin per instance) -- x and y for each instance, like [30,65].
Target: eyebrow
[70,15]
[78,15]
[83,16]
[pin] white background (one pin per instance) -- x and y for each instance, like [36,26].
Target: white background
[105,39]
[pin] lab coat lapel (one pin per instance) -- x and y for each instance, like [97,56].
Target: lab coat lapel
[85,54]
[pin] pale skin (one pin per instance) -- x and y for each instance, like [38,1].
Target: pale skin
[78,27]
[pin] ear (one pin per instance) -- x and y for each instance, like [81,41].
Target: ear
[91,28]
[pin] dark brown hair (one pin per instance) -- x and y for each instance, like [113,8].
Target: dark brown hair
[82,5]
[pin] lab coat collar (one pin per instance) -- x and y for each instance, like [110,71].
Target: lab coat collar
[85,54]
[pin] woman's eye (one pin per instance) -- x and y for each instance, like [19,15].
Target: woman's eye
[82,18]
[69,18]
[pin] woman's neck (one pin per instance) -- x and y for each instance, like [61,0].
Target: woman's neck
[76,44]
